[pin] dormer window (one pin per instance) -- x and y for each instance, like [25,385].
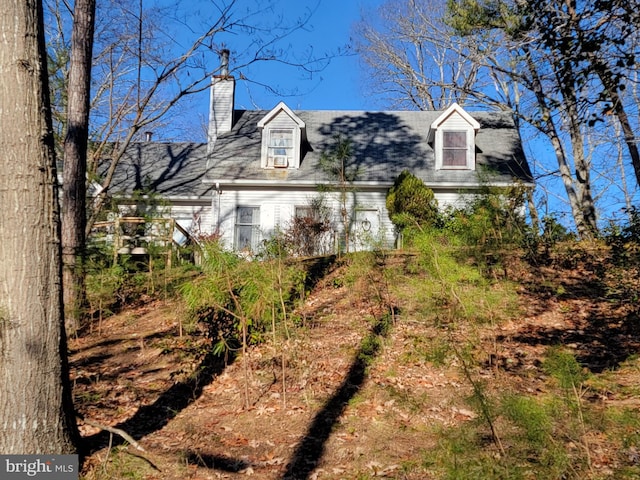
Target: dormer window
[455,149]
[452,136]
[280,147]
[282,137]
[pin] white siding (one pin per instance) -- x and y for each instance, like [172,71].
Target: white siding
[452,199]
[282,120]
[277,207]
[455,122]
[193,218]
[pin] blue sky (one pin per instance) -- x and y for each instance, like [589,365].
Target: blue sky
[339,85]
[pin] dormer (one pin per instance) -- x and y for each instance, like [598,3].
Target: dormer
[282,136]
[452,136]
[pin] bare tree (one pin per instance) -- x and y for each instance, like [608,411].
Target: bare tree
[37,412]
[415,59]
[509,61]
[577,185]
[140,73]
[144,74]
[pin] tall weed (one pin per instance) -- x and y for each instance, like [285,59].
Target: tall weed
[235,295]
[456,289]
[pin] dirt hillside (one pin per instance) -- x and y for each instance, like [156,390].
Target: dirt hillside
[357,392]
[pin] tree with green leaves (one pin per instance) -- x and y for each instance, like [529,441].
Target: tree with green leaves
[597,42]
[577,59]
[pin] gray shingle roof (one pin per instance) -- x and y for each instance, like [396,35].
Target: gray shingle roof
[168,169]
[384,144]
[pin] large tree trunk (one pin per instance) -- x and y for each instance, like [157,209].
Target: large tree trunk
[36,413]
[74,213]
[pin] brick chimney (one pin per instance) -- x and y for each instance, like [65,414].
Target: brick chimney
[221,104]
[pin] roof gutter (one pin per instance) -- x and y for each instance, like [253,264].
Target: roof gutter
[362,185]
[204,200]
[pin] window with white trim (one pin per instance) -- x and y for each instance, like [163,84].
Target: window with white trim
[453,135]
[454,149]
[283,135]
[247,229]
[280,147]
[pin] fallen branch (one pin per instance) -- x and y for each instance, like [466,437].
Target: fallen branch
[116,431]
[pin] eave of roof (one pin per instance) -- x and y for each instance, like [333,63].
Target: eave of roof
[221,183]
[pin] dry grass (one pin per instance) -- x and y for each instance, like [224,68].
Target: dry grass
[344,399]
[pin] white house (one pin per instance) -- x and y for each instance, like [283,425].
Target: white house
[260,168]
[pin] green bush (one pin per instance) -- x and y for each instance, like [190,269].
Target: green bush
[411,204]
[491,222]
[624,239]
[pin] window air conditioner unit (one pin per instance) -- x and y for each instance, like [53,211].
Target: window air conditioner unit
[280,161]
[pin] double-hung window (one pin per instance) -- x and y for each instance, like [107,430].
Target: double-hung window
[247,228]
[455,150]
[280,147]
